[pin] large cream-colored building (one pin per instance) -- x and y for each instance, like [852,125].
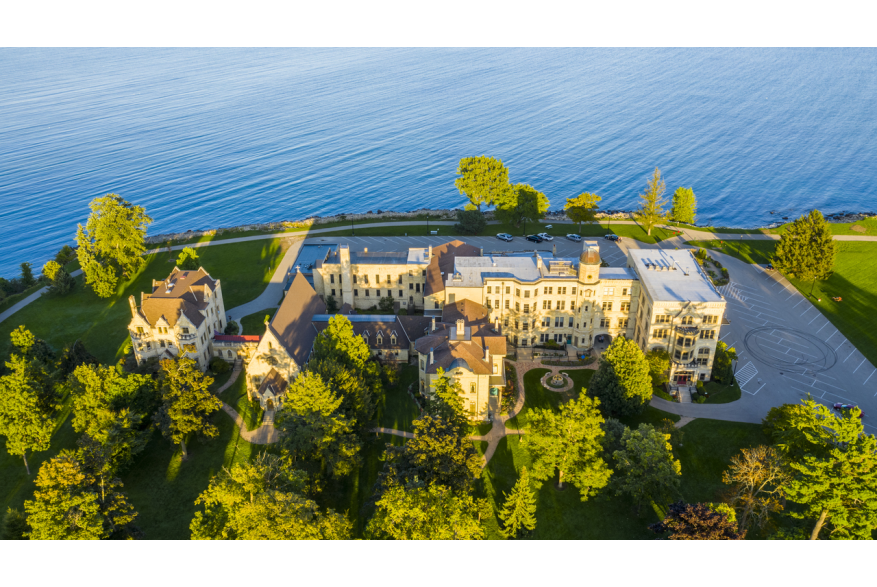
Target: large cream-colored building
[178,318]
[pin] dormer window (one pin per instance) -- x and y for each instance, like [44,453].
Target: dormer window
[380,339]
[139,330]
[393,339]
[185,331]
[365,337]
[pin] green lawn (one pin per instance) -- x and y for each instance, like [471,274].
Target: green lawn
[480,429]
[749,251]
[869,224]
[720,393]
[396,409]
[537,397]
[250,411]
[244,270]
[10,301]
[718,229]
[255,323]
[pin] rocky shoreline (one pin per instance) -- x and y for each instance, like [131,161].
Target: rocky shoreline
[438,214]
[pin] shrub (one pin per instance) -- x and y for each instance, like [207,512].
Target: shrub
[27,278]
[63,282]
[65,255]
[470,222]
[331,304]
[386,305]
[700,399]
[219,366]
[188,260]
[664,395]
[232,328]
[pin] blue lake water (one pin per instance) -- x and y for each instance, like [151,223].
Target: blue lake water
[210,138]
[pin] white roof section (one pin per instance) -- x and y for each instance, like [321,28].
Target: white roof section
[418,256]
[673,276]
[617,273]
[472,271]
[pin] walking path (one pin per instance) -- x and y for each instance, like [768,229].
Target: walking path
[264,434]
[29,299]
[271,296]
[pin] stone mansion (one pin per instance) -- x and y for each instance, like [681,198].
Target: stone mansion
[465,312]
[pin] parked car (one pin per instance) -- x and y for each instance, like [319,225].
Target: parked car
[612,237]
[534,238]
[574,237]
[548,227]
[504,236]
[847,407]
[545,236]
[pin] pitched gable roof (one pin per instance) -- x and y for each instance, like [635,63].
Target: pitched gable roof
[443,261]
[471,312]
[182,293]
[292,325]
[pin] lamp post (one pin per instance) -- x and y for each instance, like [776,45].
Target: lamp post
[427,224]
[353,228]
[734,374]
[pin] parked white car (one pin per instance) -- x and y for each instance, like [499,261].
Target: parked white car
[545,236]
[574,237]
[504,236]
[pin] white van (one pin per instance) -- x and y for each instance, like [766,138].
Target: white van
[574,237]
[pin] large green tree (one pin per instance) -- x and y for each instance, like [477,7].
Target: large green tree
[833,471]
[520,204]
[519,509]
[71,503]
[806,249]
[569,442]
[312,426]
[433,512]
[188,259]
[651,209]
[482,180]
[186,402]
[111,243]
[357,390]
[696,521]
[582,208]
[723,366]
[26,425]
[622,381]
[437,454]
[684,206]
[659,365]
[645,468]
[338,342]
[447,402]
[470,222]
[262,500]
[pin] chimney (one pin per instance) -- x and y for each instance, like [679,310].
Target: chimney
[430,253]
[554,249]
[433,324]
[496,324]
[461,329]
[431,356]
[481,252]
[486,354]
[133,303]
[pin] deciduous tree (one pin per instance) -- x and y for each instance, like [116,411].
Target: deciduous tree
[27,278]
[482,180]
[570,443]
[520,204]
[188,259]
[582,208]
[111,242]
[339,343]
[622,381]
[723,370]
[645,468]
[659,365]
[519,509]
[26,425]
[652,206]
[698,521]
[470,222]
[312,426]
[434,512]
[684,206]
[806,249]
[758,478]
[446,401]
[186,402]
[262,500]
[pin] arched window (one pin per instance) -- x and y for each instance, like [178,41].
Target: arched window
[230,355]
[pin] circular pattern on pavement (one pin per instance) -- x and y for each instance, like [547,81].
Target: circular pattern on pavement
[788,349]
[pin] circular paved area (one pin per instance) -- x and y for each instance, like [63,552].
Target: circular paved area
[802,353]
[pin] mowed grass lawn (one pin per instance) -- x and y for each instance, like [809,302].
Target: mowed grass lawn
[706,450]
[243,269]
[255,323]
[396,409]
[749,251]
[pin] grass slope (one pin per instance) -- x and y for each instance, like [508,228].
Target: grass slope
[757,252]
[255,322]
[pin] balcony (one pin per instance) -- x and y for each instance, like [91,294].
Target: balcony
[185,337]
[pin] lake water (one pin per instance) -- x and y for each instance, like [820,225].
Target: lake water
[211,138]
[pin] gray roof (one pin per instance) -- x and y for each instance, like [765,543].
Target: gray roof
[617,273]
[472,271]
[673,276]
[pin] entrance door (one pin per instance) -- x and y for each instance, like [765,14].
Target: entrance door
[682,378]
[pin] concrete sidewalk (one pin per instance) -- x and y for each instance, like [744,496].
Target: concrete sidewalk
[273,293]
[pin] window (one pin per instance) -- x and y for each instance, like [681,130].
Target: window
[332,278]
[525,325]
[623,322]
[423,273]
[517,306]
[162,344]
[365,337]
[661,333]
[139,330]
[561,291]
[517,325]
[558,322]
[526,308]
[684,342]
[378,293]
[185,331]
[710,319]
[688,320]
[608,291]
[607,306]
[355,293]
[625,306]
[367,294]
[547,290]
[487,302]
[703,356]
[561,305]
[506,304]
[389,279]
[410,285]
[505,322]
[354,279]
[588,293]
[488,289]
[546,322]
[573,291]
[270,346]
[422,364]
[417,287]
[508,289]
[380,339]
[436,305]
[393,339]
[570,322]
[605,322]
[707,334]
[663,319]
[572,305]
[472,388]
[625,291]
[546,304]
[333,292]
[527,293]
[400,294]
